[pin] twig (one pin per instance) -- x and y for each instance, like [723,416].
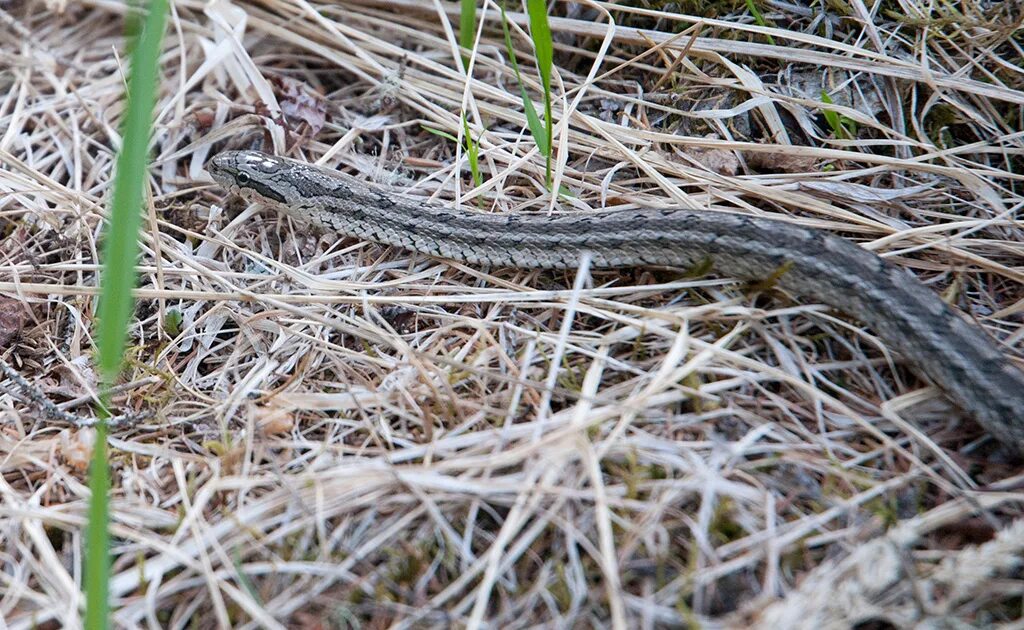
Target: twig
[54,412]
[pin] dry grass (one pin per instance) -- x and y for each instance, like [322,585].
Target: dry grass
[349,436]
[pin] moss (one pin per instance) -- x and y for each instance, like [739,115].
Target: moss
[559,589]
[723,529]
[696,8]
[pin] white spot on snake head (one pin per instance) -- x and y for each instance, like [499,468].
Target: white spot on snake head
[241,167]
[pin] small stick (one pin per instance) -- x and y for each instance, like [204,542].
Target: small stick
[54,412]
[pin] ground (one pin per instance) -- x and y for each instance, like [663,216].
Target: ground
[320,432]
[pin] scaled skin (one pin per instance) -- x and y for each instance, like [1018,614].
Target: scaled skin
[960,358]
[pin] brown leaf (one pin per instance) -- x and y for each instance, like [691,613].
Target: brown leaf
[779,162]
[13,245]
[76,448]
[204,119]
[715,160]
[300,103]
[12,319]
[274,420]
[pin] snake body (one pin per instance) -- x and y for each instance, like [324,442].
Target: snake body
[953,353]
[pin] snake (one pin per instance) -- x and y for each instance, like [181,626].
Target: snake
[956,355]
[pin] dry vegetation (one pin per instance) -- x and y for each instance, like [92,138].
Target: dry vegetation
[328,434]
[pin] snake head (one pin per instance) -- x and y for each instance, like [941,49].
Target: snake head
[250,174]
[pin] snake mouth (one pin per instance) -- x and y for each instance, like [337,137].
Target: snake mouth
[239,173]
[219,168]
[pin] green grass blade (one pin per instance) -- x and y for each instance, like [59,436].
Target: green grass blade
[472,153]
[540,31]
[467,27]
[834,119]
[544,49]
[97,561]
[508,45]
[533,121]
[759,19]
[537,128]
[118,277]
[120,246]
[438,132]
[472,147]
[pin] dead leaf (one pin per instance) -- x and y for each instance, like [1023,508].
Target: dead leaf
[716,160]
[300,103]
[778,162]
[12,319]
[271,420]
[77,378]
[847,191]
[76,447]
[204,119]
[13,244]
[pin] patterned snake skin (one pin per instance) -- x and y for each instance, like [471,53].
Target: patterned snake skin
[957,356]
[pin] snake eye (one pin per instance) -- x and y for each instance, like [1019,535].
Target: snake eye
[242,178]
